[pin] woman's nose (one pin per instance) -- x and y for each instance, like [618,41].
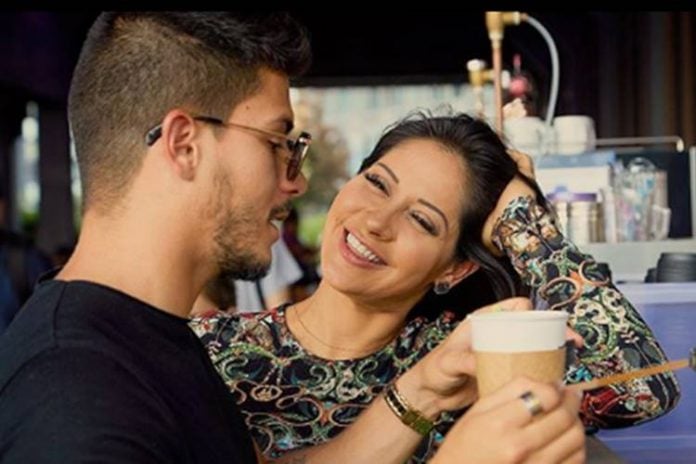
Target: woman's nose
[379,222]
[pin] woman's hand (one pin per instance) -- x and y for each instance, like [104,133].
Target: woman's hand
[444,379]
[500,428]
[524,162]
[515,189]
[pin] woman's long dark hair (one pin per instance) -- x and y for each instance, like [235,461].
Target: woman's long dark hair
[488,170]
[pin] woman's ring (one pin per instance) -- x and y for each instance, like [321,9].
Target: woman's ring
[532,403]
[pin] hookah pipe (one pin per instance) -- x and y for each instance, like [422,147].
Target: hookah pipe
[495,23]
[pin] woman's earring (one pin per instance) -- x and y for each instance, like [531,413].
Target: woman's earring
[441,288]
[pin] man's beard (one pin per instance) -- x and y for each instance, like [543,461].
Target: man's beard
[234,264]
[234,239]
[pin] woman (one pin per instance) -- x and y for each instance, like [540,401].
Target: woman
[432,227]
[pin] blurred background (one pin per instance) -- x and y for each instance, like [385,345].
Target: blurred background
[633,73]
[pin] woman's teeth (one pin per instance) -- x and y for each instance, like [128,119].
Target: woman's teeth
[361,250]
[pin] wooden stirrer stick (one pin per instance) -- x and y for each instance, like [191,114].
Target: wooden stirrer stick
[623,377]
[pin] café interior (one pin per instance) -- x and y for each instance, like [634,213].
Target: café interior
[603,102]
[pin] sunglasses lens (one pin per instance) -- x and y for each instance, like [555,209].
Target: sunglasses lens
[293,169]
[299,152]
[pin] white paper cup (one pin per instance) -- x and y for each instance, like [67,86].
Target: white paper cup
[511,344]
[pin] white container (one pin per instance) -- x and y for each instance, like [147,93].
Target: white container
[574,134]
[580,217]
[525,134]
[585,222]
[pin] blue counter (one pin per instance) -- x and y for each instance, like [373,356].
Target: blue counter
[670,311]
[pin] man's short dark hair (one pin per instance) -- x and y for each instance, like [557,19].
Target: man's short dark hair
[136,66]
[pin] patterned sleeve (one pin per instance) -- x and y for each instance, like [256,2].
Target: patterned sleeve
[211,328]
[616,337]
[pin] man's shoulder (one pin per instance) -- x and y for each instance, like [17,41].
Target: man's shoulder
[52,344]
[31,333]
[48,326]
[63,402]
[71,374]
[74,384]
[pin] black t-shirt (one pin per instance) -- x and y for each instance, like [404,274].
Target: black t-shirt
[90,374]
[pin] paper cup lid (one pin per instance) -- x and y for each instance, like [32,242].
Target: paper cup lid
[518,331]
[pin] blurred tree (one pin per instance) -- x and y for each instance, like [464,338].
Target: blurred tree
[327,161]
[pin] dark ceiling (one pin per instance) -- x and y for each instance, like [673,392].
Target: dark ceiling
[349,46]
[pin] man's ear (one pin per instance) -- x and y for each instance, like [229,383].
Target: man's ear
[457,272]
[180,141]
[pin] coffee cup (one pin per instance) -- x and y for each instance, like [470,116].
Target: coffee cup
[510,344]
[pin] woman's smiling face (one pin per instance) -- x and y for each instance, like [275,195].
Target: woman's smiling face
[392,229]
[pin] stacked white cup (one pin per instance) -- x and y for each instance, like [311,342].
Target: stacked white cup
[525,134]
[574,134]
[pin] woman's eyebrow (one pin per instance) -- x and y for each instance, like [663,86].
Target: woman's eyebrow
[420,200]
[389,171]
[436,209]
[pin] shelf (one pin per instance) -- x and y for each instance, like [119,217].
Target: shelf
[660,293]
[630,261]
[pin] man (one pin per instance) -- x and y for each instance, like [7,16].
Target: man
[275,286]
[180,124]
[180,121]
[244,296]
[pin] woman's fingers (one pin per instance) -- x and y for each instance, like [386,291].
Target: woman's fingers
[559,433]
[508,401]
[458,343]
[517,303]
[507,426]
[579,457]
[576,338]
[566,446]
[524,162]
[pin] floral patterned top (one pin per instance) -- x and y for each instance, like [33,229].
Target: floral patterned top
[292,399]
[616,337]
